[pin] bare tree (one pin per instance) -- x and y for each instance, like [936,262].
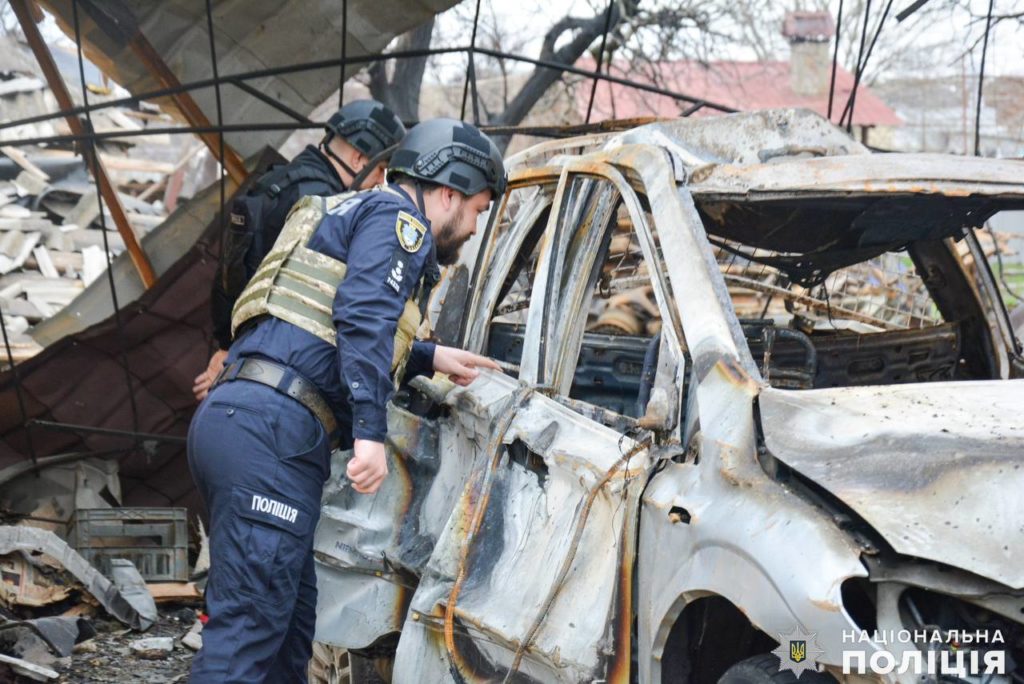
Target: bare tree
[400,90]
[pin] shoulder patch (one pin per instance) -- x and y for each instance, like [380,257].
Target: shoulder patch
[410,232]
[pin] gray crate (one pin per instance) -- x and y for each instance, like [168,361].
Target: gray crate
[154,539]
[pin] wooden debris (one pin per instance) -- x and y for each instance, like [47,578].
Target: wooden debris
[85,211]
[30,183]
[52,244]
[175,592]
[94,263]
[15,248]
[19,158]
[44,262]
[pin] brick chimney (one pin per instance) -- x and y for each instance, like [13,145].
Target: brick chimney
[810,64]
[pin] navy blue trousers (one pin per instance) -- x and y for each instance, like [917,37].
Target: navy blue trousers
[259,459]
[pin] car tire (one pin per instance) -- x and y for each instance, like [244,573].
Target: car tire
[764,669]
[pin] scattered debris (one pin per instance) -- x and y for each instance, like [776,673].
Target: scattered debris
[153,648]
[194,638]
[133,588]
[175,592]
[30,670]
[37,541]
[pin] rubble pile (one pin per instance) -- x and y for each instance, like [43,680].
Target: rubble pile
[71,609]
[52,241]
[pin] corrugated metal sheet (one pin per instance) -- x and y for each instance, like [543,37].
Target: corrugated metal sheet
[249,35]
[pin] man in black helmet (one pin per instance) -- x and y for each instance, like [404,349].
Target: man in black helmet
[324,332]
[352,155]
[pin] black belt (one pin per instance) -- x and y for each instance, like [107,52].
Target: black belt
[287,382]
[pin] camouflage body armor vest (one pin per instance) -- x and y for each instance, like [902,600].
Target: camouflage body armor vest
[297,284]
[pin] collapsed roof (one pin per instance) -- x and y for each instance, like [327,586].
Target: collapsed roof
[248,36]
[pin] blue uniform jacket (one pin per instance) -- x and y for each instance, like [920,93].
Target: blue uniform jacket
[355,377]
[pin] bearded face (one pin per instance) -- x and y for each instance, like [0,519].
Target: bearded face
[450,237]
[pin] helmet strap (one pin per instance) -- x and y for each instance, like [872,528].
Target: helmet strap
[326,148]
[357,182]
[419,198]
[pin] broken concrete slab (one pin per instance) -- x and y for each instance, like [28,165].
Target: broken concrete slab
[30,670]
[194,637]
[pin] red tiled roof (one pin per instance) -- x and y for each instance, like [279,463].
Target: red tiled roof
[740,85]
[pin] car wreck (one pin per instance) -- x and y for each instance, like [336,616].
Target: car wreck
[758,382]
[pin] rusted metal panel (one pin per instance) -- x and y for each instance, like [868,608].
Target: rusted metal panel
[875,174]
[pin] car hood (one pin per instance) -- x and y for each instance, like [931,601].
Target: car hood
[937,469]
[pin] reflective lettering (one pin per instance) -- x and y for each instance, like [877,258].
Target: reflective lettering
[848,660]
[875,662]
[995,662]
[911,661]
[958,669]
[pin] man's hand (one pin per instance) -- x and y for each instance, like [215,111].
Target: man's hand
[201,385]
[460,365]
[368,466]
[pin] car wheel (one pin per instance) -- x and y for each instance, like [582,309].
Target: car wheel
[764,669]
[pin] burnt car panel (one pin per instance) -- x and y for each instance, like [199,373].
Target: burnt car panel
[919,463]
[660,486]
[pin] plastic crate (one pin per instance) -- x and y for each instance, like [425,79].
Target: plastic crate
[154,539]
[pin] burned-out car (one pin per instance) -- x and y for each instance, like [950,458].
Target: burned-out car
[758,391]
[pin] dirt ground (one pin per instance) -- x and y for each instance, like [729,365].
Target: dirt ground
[107,657]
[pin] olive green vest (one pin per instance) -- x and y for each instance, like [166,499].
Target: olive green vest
[297,284]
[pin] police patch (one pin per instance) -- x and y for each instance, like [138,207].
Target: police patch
[410,232]
[396,271]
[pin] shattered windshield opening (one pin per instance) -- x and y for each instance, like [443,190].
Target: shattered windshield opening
[843,292]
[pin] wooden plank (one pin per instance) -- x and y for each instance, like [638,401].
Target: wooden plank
[178,592]
[44,263]
[19,158]
[116,163]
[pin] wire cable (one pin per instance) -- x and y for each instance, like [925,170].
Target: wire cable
[600,56]
[471,71]
[981,81]
[344,53]
[835,60]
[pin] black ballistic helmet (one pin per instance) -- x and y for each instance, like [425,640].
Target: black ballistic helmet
[367,125]
[451,153]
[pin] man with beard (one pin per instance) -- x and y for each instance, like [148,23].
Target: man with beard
[323,333]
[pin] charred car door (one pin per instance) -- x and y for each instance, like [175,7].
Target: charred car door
[531,577]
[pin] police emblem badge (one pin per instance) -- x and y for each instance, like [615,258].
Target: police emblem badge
[410,232]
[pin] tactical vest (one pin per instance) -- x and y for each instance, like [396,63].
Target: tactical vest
[297,284]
